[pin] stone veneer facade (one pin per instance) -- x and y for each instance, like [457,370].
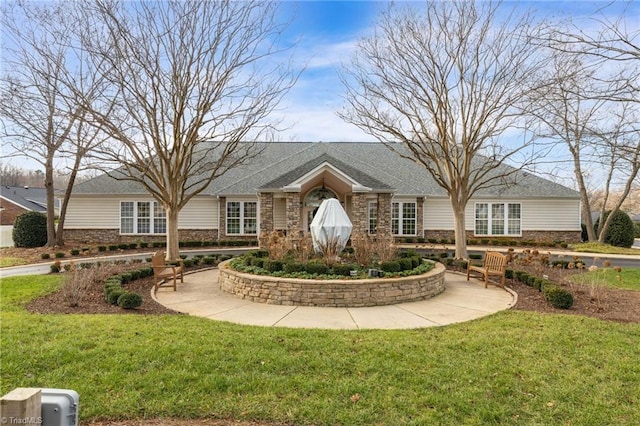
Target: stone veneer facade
[331,293]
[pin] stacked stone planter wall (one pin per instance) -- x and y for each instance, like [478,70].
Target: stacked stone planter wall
[331,293]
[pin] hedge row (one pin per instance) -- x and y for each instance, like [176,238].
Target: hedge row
[557,296]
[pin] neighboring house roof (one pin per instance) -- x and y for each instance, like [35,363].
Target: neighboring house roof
[372,165]
[33,199]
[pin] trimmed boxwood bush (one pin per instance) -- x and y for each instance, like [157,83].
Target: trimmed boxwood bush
[558,297]
[59,255]
[317,268]
[291,267]
[129,300]
[273,265]
[390,266]
[209,260]
[45,256]
[74,252]
[30,230]
[405,264]
[345,269]
[114,294]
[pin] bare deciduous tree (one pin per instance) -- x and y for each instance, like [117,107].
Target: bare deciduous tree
[440,87]
[591,104]
[41,119]
[191,81]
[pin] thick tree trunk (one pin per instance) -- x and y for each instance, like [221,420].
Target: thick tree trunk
[173,247]
[459,230]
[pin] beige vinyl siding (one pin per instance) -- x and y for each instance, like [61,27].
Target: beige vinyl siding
[551,215]
[199,213]
[437,214]
[93,213]
[104,213]
[538,214]
[279,213]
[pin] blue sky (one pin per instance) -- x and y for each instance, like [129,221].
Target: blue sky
[327,33]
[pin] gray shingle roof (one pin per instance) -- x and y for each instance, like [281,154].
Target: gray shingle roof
[371,164]
[34,199]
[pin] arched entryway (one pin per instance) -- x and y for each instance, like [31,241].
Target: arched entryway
[312,201]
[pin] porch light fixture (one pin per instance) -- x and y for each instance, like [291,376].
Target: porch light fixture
[323,193]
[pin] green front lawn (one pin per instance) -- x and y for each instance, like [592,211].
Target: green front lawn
[510,368]
[627,278]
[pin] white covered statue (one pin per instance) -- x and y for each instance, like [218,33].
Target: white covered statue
[330,228]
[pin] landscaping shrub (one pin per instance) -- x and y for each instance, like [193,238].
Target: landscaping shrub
[317,268]
[144,244]
[129,300]
[188,263]
[345,269]
[620,231]
[45,256]
[415,261]
[509,273]
[291,267]
[558,297]
[30,230]
[114,295]
[59,255]
[74,252]
[258,262]
[405,264]
[55,268]
[102,248]
[390,266]
[209,260]
[273,265]
[126,277]
[113,247]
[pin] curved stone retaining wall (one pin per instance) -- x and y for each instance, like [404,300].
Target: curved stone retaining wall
[331,293]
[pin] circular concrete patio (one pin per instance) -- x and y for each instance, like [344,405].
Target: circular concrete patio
[462,300]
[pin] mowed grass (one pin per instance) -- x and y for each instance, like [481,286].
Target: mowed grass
[510,368]
[6,262]
[627,278]
[595,247]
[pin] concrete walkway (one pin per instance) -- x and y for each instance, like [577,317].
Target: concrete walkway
[461,301]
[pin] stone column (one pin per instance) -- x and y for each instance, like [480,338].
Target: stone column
[222,231]
[384,214]
[266,216]
[420,217]
[360,214]
[294,212]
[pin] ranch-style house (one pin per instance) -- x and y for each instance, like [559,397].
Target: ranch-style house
[281,188]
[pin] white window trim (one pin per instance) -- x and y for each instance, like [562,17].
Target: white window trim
[401,204]
[135,218]
[369,206]
[490,218]
[242,218]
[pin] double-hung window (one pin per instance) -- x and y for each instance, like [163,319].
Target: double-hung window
[142,217]
[498,219]
[242,218]
[373,217]
[403,218]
